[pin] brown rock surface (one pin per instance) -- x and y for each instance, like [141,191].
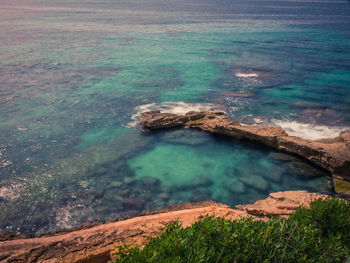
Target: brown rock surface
[4,236]
[280,203]
[95,244]
[332,155]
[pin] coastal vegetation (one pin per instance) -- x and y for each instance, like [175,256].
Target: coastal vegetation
[316,234]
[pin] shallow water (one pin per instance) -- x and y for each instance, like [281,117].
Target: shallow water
[75,75]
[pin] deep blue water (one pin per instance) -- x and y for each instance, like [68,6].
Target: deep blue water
[74,76]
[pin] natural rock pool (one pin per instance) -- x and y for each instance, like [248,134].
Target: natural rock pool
[137,172]
[75,75]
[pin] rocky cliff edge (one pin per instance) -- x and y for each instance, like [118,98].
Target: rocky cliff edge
[96,244]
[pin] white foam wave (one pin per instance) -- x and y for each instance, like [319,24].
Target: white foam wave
[306,131]
[246,75]
[309,131]
[173,107]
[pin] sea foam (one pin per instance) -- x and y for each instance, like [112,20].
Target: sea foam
[172,107]
[246,75]
[306,131]
[309,131]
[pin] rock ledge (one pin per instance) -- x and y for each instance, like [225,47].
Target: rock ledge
[96,244]
[332,155]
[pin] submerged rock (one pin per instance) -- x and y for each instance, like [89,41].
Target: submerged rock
[305,169]
[164,196]
[165,189]
[115,184]
[200,194]
[129,180]
[125,193]
[112,195]
[275,174]
[149,181]
[255,181]
[334,157]
[236,187]
[132,203]
[201,180]
[99,192]
[185,137]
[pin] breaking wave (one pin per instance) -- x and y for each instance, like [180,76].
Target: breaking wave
[306,131]
[173,107]
[246,75]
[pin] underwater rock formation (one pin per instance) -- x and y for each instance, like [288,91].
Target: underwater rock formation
[332,155]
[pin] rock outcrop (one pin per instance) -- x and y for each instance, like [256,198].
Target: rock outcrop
[280,203]
[332,155]
[97,244]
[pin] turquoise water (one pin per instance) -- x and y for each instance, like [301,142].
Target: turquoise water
[74,76]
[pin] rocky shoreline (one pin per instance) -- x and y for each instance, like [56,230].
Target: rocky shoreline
[96,244]
[331,154]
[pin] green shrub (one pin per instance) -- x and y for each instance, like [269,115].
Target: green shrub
[331,217]
[318,234]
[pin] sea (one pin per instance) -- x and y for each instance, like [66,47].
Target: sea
[75,76]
